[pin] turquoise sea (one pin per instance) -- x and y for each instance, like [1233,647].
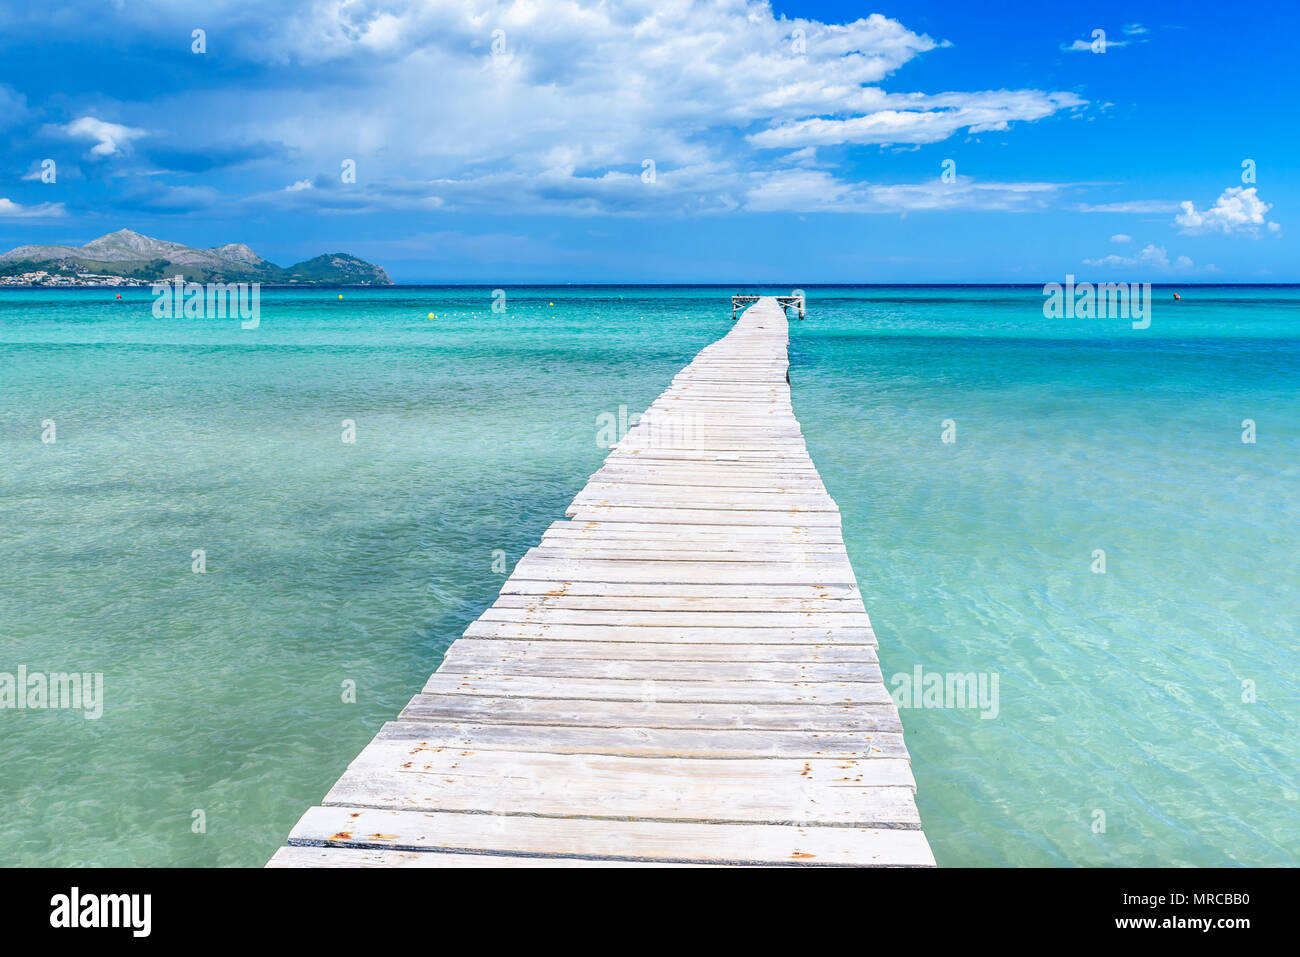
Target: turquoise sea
[1121,694]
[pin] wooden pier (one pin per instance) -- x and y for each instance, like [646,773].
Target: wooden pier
[681,673]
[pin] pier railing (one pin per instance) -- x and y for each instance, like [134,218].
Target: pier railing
[785,302]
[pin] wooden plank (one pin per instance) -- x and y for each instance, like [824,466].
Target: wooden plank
[703,691]
[558,586]
[700,532]
[628,494]
[337,855]
[628,841]
[674,635]
[739,656]
[624,553]
[680,619]
[680,603]
[770,457]
[670,570]
[714,473]
[647,742]
[458,661]
[651,549]
[702,516]
[734,481]
[714,481]
[653,714]
[875,792]
[628,794]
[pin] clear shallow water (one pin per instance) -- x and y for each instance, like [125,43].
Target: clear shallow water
[330,562]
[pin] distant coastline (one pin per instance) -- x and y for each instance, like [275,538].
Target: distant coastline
[89,281]
[126,259]
[118,282]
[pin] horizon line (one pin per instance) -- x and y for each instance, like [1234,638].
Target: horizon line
[431,284]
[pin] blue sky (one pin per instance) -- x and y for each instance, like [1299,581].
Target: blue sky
[795,142]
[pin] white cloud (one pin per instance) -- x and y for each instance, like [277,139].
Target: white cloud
[1151,257]
[110,138]
[11,210]
[37,171]
[1238,210]
[299,186]
[698,189]
[1085,46]
[1121,238]
[939,118]
[1131,206]
[819,191]
[709,188]
[582,94]
[1135,30]
[803,157]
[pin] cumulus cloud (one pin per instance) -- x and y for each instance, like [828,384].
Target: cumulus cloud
[550,105]
[1238,210]
[534,106]
[110,138]
[1121,238]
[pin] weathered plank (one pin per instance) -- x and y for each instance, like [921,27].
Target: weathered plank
[669,515]
[556,587]
[875,792]
[601,841]
[701,532]
[686,618]
[540,631]
[648,603]
[700,573]
[654,714]
[740,656]
[340,855]
[648,742]
[702,690]
[821,673]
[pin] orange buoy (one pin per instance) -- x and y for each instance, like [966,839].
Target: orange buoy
[1176,296]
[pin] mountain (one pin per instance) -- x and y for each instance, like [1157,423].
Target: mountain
[140,258]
